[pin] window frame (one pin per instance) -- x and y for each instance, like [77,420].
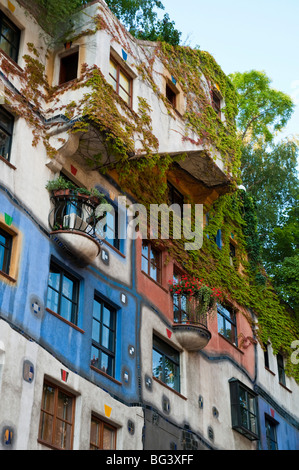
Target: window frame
[8,244]
[216,102]
[55,417]
[75,298]
[232,320]
[271,425]
[100,431]
[171,94]
[111,353]
[116,81]
[162,348]
[238,411]
[17,31]
[62,68]
[281,369]
[8,131]
[148,259]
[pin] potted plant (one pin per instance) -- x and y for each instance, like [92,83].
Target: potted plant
[198,294]
[62,187]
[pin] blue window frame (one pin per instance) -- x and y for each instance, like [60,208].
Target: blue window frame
[63,293]
[103,336]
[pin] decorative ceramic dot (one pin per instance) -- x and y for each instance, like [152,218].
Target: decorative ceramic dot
[166,405]
[148,382]
[200,401]
[28,371]
[210,433]
[131,427]
[215,412]
[105,256]
[36,306]
[131,350]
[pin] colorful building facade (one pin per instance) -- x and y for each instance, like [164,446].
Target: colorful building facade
[95,350]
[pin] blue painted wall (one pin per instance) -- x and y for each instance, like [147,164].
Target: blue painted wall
[287,434]
[69,345]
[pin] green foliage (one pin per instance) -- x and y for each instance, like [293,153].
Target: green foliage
[141,19]
[263,111]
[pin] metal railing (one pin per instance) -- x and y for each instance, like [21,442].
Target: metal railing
[75,212]
[189,311]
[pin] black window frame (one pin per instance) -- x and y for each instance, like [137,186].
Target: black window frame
[4,19]
[168,353]
[98,344]
[231,319]
[244,419]
[271,432]
[7,130]
[75,297]
[7,245]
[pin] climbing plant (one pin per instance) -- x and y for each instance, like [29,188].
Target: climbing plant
[117,127]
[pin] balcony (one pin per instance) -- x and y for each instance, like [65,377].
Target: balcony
[190,323]
[74,224]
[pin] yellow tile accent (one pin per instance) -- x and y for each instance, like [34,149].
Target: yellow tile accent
[11,6]
[108,410]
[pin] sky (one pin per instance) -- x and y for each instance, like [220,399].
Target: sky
[243,35]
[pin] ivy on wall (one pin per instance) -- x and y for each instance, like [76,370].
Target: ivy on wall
[118,127]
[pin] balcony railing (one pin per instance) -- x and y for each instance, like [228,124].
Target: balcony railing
[189,311]
[190,322]
[75,212]
[75,224]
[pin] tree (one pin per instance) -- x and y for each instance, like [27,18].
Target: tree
[141,19]
[269,173]
[263,111]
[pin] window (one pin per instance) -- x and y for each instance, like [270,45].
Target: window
[243,409]
[232,253]
[57,417]
[68,67]
[151,261]
[281,371]
[216,103]
[170,95]
[9,37]
[271,434]
[266,356]
[5,251]
[174,196]
[180,314]
[102,435]
[218,239]
[103,337]
[121,82]
[227,326]
[6,129]
[166,364]
[62,296]
[111,228]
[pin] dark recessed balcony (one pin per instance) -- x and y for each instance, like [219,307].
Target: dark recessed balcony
[74,223]
[190,323]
